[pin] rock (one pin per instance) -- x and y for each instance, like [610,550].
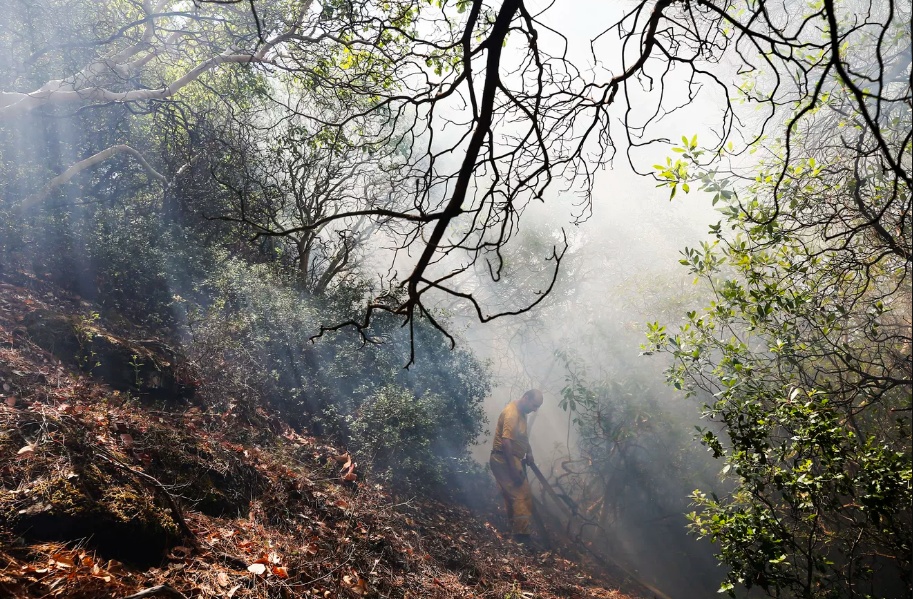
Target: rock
[117,518]
[148,367]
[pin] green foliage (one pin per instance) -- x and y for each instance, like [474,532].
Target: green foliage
[811,473]
[636,460]
[675,174]
[253,342]
[516,592]
[398,434]
[805,354]
[83,327]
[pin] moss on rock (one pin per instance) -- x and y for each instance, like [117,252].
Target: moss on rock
[117,517]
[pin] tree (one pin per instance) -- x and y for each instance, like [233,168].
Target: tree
[133,52]
[806,352]
[287,186]
[806,349]
[172,101]
[528,118]
[112,54]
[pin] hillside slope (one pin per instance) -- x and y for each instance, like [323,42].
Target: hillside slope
[113,481]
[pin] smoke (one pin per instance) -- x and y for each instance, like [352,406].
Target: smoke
[621,271]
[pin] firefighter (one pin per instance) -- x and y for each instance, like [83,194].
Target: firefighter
[508,454]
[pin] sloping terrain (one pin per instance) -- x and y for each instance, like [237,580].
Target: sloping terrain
[114,482]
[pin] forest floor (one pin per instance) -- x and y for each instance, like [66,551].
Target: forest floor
[106,492]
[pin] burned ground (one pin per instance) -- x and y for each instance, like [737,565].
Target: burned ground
[107,489]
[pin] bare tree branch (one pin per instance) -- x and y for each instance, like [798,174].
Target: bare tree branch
[83,165]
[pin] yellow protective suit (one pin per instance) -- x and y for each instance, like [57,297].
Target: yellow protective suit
[518,498]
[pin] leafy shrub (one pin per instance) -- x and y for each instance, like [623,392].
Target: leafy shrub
[397,433]
[253,344]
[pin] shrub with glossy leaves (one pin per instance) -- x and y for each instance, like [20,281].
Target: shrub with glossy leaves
[400,435]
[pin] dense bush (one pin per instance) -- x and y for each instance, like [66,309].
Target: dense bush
[399,433]
[253,344]
[804,354]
